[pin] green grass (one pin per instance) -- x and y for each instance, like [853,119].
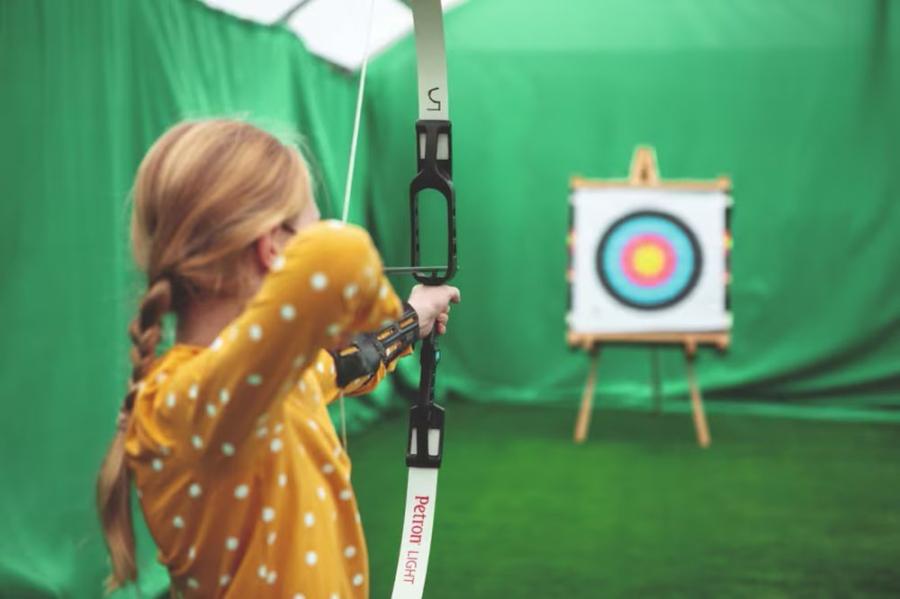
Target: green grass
[775,508]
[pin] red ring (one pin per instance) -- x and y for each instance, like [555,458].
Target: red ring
[628,255]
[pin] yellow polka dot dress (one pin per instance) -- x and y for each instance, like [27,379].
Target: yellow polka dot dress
[241,477]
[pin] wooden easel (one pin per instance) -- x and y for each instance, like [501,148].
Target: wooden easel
[644,174]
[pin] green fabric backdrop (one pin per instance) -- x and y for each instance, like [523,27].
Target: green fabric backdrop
[794,99]
[87,87]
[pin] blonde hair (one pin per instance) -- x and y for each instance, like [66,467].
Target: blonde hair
[203,194]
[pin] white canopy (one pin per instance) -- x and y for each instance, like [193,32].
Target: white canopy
[332,29]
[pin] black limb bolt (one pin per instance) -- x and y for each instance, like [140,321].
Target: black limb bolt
[433,173]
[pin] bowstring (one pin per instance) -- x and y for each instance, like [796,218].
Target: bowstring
[351,164]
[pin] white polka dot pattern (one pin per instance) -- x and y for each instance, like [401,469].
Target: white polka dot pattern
[264,387]
[318,281]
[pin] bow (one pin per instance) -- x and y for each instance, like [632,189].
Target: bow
[434,160]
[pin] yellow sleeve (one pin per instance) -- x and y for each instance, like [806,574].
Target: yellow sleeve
[329,284]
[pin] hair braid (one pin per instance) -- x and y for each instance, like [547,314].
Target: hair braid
[114,481]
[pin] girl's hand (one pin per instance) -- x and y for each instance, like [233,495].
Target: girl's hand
[432,304]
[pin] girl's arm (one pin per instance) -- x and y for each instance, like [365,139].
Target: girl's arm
[329,285]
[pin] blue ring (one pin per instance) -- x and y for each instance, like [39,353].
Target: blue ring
[688,260]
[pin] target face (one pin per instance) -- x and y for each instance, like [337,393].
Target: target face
[649,260]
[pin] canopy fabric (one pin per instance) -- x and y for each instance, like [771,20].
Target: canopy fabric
[334,30]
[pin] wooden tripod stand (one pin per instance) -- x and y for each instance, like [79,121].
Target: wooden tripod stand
[689,343]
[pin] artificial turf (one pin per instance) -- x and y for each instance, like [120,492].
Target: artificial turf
[775,508]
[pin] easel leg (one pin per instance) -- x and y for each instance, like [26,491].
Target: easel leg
[587,399]
[696,401]
[655,380]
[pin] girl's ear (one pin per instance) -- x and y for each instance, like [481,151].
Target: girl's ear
[266,250]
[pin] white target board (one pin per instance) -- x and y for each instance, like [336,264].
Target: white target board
[649,260]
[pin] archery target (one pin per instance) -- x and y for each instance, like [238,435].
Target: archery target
[648,260]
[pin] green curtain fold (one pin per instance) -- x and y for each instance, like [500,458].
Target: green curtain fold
[87,87]
[796,101]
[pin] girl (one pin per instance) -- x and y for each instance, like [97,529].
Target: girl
[241,477]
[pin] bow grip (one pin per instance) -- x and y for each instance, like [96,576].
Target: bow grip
[435,168]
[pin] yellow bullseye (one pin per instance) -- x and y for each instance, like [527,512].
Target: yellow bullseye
[648,260]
